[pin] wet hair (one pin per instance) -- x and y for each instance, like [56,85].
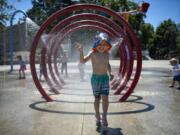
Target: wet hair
[99,39]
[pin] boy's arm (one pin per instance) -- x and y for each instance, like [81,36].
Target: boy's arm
[110,73]
[177,70]
[83,59]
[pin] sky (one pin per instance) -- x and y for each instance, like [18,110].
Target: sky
[161,10]
[158,11]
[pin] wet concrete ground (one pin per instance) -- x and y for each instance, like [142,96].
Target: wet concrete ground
[153,109]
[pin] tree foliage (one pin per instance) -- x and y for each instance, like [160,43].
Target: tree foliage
[178,41]
[160,42]
[146,35]
[42,9]
[5,9]
[165,39]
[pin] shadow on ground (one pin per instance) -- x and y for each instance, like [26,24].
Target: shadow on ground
[147,107]
[111,131]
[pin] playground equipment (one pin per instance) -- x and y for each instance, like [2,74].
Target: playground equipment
[142,8]
[86,16]
[11,39]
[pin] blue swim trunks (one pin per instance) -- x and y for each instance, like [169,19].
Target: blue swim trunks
[100,84]
[176,78]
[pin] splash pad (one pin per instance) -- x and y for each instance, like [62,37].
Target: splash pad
[79,17]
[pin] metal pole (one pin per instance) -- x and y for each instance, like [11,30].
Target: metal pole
[11,39]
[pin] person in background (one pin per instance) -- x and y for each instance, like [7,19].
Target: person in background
[81,70]
[64,60]
[40,71]
[175,72]
[22,68]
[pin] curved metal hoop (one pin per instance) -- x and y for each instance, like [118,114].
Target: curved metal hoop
[69,20]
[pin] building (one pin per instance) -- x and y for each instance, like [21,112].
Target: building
[23,34]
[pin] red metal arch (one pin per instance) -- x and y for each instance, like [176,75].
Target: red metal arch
[124,61]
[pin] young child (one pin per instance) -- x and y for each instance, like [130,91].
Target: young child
[22,67]
[81,70]
[40,71]
[175,71]
[64,60]
[100,80]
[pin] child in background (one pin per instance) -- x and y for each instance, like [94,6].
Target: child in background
[22,67]
[175,71]
[81,71]
[40,71]
[64,60]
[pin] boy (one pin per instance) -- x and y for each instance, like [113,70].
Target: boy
[175,71]
[100,80]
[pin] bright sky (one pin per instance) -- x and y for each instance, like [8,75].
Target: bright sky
[158,11]
[161,10]
[23,5]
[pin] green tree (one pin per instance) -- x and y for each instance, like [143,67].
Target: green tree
[125,5]
[146,35]
[165,39]
[88,1]
[119,5]
[5,12]
[178,41]
[135,20]
[42,9]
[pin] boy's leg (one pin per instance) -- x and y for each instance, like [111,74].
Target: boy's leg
[82,74]
[96,107]
[179,85]
[62,68]
[97,97]
[172,84]
[105,105]
[24,76]
[66,69]
[19,73]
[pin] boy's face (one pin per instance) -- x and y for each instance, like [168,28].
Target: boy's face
[172,63]
[102,47]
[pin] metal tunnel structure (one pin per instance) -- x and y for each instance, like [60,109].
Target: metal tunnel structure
[86,16]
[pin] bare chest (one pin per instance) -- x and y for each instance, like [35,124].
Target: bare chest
[100,58]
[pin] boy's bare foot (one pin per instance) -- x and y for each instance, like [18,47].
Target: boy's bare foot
[111,77]
[104,126]
[98,120]
[104,122]
[98,123]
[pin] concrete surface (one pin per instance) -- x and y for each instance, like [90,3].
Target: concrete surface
[153,109]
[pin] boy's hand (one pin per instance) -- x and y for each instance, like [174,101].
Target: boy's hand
[111,77]
[79,47]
